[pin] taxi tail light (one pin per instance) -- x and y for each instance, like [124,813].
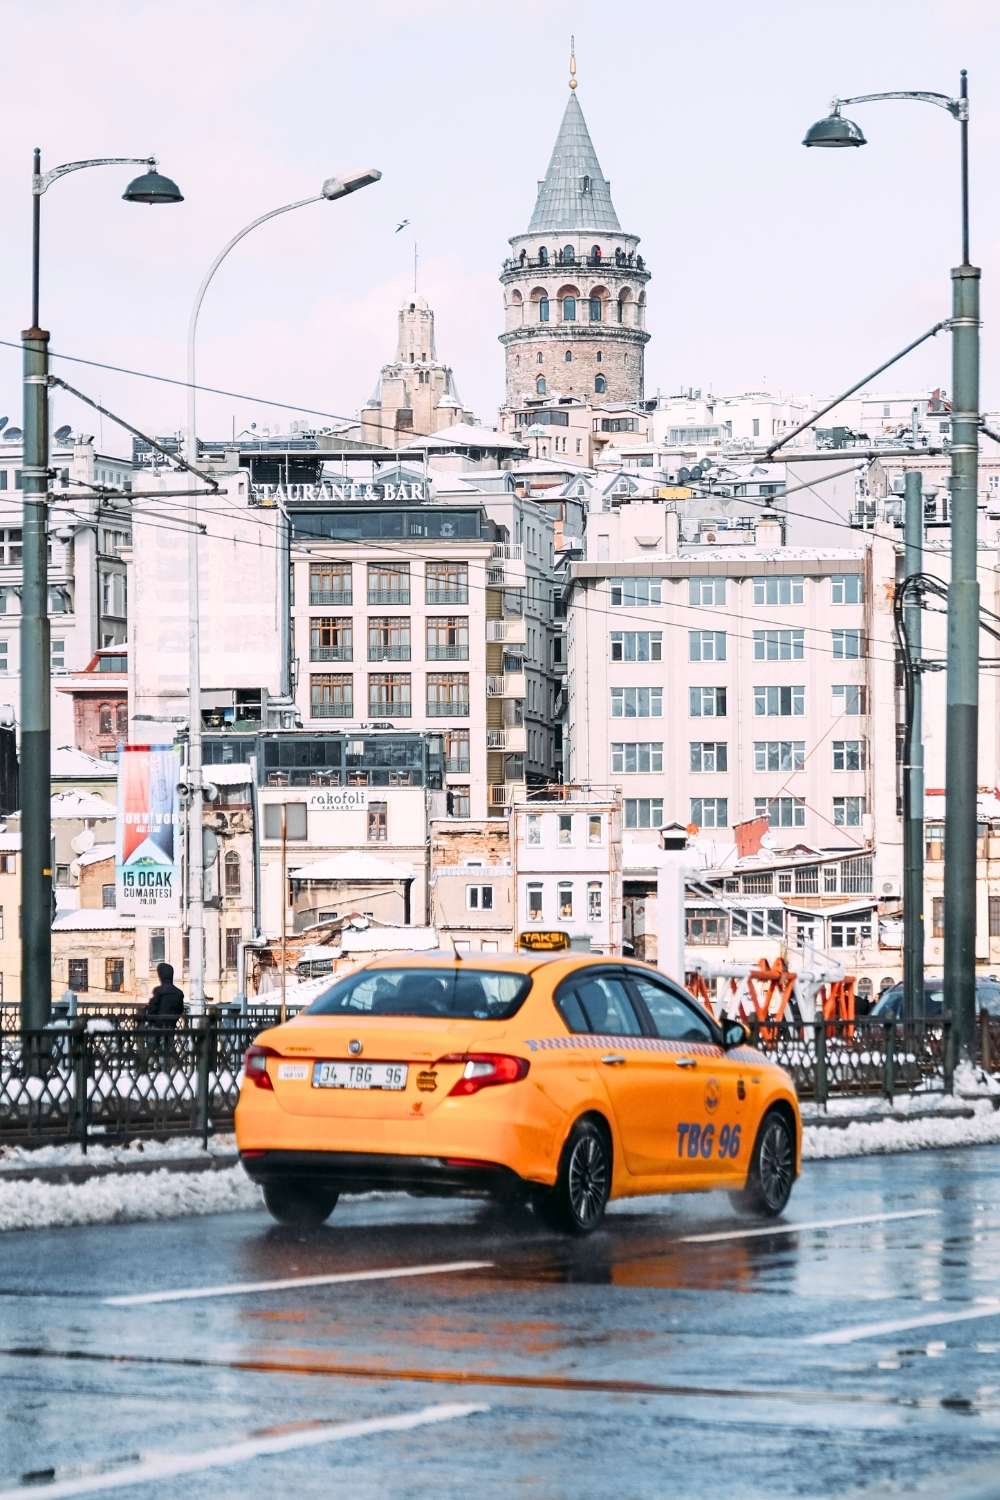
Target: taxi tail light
[483,1070]
[255,1066]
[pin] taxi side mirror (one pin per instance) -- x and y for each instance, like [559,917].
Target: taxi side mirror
[734,1034]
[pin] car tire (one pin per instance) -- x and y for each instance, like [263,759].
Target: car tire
[772,1169]
[297,1206]
[576,1204]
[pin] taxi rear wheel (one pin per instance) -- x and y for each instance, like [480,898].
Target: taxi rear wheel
[297,1206]
[772,1169]
[577,1202]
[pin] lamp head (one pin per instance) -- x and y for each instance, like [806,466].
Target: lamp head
[834,130]
[152,187]
[339,187]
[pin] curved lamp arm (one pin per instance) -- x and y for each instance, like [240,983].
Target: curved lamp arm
[957,108]
[40,181]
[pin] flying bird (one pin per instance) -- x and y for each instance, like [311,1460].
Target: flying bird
[401,226]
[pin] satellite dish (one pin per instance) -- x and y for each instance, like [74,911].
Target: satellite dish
[13,435]
[63,433]
[697,471]
[3,423]
[83,841]
[683,475]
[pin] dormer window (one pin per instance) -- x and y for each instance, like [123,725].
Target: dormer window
[585,184]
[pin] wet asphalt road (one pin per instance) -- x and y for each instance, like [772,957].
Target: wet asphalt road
[645,1361]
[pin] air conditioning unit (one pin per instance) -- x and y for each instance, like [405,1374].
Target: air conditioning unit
[890,888]
[899,484]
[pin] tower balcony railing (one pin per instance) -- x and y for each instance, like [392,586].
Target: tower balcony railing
[620,260]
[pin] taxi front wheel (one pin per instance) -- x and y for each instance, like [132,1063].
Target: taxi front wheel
[577,1202]
[297,1206]
[772,1169]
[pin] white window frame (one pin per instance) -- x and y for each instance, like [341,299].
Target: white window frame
[476,898]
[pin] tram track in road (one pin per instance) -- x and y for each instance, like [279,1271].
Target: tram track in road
[307,1364]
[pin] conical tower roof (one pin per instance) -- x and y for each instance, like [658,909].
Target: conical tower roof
[575,193]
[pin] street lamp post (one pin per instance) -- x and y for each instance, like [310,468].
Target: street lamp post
[333,188]
[36,685]
[962,724]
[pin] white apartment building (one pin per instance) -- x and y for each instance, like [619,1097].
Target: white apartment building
[718,683]
[567,859]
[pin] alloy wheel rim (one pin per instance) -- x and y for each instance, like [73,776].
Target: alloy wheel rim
[775,1163]
[588,1179]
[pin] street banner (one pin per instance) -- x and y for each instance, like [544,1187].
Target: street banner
[147,861]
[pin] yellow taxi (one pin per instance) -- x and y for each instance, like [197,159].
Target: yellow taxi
[563,1079]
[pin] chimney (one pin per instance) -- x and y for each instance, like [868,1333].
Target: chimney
[769,531]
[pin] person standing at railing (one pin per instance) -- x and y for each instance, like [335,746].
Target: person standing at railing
[164,1010]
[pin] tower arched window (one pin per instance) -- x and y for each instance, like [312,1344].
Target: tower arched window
[621,309]
[543,256]
[569,309]
[600,384]
[543,309]
[599,356]
[595,254]
[595,309]
[540,359]
[540,386]
[105,719]
[232,869]
[568,255]
[121,721]
[568,356]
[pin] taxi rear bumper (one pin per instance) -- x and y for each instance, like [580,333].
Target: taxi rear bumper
[369,1171]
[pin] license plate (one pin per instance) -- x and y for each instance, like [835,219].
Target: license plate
[351,1075]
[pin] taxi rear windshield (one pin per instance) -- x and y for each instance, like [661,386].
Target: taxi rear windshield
[453,994]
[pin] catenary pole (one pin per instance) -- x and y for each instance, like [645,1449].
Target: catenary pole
[913,769]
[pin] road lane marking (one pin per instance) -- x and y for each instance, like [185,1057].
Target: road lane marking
[749,1234]
[900,1325]
[290,1283]
[170,1465]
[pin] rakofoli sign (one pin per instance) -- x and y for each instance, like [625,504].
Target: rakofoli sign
[342,492]
[338,799]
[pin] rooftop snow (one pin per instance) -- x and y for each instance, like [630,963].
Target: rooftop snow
[354,864]
[93,919]
[68,761]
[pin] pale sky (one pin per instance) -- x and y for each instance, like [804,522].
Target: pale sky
[772,265]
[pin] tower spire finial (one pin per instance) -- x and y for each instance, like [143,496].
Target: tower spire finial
[572,62]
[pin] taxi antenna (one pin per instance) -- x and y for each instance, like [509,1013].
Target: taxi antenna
[454,945]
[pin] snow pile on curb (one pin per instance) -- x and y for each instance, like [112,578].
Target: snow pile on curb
[879,1137]
[126,1198]
[70,1154]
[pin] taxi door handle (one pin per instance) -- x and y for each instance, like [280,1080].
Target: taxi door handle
[687,1062]
[613,1060]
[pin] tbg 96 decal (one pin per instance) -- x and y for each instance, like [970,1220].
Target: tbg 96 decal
[702,1140]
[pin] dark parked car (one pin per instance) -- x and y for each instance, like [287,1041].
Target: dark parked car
[890,1003]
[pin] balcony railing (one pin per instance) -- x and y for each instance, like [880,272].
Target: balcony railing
[385,708]
[510,685]
[331,653]
[457,595]
[388,653]
[458,710]
[496,739]
[388,596]
[512,632]
[507,552]
[331,711]
[331,596]
[448,653]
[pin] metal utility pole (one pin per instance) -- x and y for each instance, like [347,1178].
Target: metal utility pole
[284,912]
[962,728]
[913,765]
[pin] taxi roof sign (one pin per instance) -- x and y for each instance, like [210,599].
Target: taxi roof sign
[543,942]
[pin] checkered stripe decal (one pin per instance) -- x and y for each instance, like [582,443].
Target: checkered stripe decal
[625,1044]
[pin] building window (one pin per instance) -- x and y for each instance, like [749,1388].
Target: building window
[779,755]
[779,702]
[781,812]
[778,589]
[232,947]
[636,592]
[709,930]
[540,386]
[765,921]
[533,831]
[459,802]
[851,932]
[707,702]
[637,645]
[934,841]
[595,309]
[378,822]
[595,901]
[105,721]
[849,699]
[600,385]
[706,645]
[847,588]
[635,757]
[388,583]
[564,900]
[778,645]
[447,694]
[7,867]
[595,830]
[389,695]
[937,916]
[706,591]
[849,755]
[389,638]
[848,811]
[543,309]
[569,309]
[231,867]
[709,755]
[994,902]
[295,819]
[643,812]
[331,639]
[331,695]
[565,830]
[79,972]
[446,583]
[534,890]
[710,812]
[121,720]
[107,901]
[448,638]
[57,654]
[157,946]
[636,703]
[114,975]
[848,645]
[456,752]
[330,583]
[479,897]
